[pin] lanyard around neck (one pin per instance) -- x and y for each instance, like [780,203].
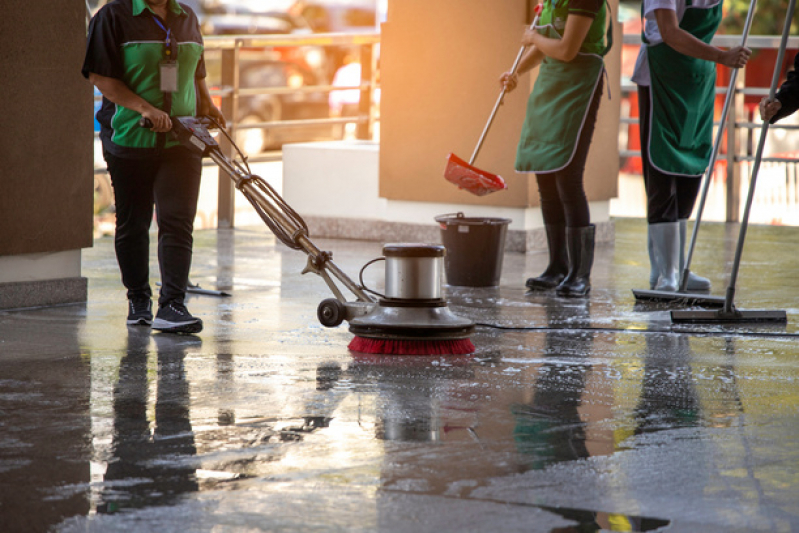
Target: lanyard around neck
[168,39]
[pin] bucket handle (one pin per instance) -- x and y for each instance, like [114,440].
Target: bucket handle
[459,214]
[360,276]
[443,219]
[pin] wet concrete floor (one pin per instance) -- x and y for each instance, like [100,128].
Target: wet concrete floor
[573,415]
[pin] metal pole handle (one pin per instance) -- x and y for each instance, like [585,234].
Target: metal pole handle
[775,80]
[729,98]
[502,93]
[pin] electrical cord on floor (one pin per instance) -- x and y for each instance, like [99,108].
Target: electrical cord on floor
[698,333]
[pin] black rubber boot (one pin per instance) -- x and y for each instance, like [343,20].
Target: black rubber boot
[580,246]
[558,260]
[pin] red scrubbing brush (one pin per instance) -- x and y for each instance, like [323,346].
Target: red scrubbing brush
[412,330]
[412,347]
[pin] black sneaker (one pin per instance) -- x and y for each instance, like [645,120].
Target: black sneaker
[140,312]
[175,318]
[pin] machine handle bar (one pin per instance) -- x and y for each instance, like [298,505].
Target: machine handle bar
[145,122]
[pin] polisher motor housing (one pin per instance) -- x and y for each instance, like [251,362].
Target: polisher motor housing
[412,317]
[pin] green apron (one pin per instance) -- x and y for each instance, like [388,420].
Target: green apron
[682,93]
[558,105]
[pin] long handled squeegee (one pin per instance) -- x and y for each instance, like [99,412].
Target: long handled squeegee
[682,295]
[729,313]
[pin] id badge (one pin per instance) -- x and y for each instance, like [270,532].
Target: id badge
[169,76]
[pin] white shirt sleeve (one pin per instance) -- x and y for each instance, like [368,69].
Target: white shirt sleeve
[651,5]
[652,34]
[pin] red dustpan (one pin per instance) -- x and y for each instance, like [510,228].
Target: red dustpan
[471,178]
[466,175]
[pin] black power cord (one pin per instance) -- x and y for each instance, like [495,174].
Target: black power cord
[698,333]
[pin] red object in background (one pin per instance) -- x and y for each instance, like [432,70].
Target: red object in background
[633,165]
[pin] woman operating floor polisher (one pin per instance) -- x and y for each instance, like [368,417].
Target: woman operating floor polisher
[412,318]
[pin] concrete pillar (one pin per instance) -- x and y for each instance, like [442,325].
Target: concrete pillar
[46,154]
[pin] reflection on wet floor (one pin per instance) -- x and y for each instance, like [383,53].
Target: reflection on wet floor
[150,465]
[550,428]
[573,415]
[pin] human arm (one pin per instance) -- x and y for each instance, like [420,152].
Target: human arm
[786,101]
[685,43]
[104,66]
[531,59]
[769,108]
[205,105]
[117,92]
[565,48]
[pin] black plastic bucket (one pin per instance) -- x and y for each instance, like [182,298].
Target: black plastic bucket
[475,247]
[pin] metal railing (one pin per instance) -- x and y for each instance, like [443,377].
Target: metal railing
[231,92]
[740,130]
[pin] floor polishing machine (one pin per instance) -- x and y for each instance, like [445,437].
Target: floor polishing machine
[412,316]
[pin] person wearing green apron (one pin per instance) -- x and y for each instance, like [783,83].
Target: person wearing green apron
[676,74]
[569,44]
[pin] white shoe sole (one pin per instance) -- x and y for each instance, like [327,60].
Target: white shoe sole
[164,326]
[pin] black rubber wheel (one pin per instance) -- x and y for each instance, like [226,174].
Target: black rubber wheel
[330,313]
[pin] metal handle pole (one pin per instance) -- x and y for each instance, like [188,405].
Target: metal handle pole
[500,99]
[711,166]
[729,300]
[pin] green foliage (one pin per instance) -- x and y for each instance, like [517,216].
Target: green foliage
[769,17]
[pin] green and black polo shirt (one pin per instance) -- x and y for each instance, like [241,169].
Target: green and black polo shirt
[127,41]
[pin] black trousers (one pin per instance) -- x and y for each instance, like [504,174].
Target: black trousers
[563,200]
[169,182]
[668,198]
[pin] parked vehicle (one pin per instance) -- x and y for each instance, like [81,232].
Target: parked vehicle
[293,66]
[267,17]
[272,108]
[243,17]
[245,6]
[341,16]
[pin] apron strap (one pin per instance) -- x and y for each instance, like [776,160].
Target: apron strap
[643,26]
[609,36]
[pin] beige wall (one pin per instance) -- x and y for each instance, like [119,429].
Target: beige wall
[440,62]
